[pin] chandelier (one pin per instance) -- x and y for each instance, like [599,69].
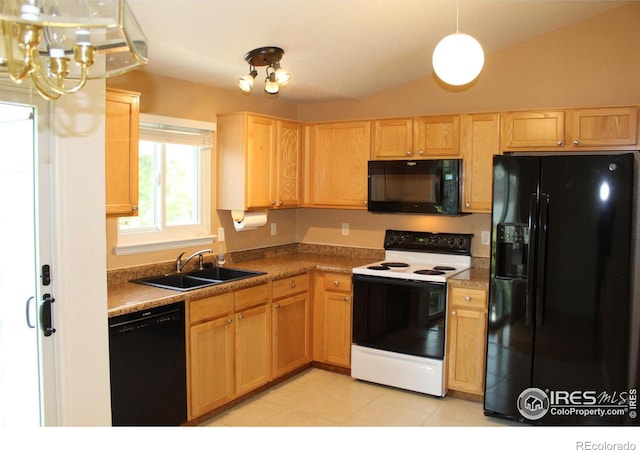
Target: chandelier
[276,76]
[458,58]
[60,44]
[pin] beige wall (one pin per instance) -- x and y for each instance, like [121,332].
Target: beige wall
[592,63]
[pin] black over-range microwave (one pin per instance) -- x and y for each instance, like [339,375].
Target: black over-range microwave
[415,186]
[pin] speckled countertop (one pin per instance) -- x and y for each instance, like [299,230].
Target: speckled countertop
[284,261]
[125,297]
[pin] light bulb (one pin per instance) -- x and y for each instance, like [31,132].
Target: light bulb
[245,83]
[458,59]
[270,84]
[55,37]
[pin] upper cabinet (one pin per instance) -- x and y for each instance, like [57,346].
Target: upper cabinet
[525,130]
[418,137]
[258,162]
[122,117]
[603,127]
[480,140]
[336,164]
[573,129]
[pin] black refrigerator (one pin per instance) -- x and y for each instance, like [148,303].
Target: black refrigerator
[560,293]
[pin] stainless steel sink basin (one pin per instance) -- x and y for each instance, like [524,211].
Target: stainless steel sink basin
[197,279]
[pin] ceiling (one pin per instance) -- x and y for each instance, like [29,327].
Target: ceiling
[335,49]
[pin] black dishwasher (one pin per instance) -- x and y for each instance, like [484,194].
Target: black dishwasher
[147,364]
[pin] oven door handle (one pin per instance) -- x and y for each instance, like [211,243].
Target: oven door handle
[395,281]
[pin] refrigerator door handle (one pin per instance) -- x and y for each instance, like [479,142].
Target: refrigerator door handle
[533,229]
[542,250]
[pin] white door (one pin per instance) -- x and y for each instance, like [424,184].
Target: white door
[27,369]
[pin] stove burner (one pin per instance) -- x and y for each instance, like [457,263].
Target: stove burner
[429,272]
[444,268]
[394,264]
[377,268]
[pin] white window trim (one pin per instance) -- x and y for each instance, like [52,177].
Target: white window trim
[130,248]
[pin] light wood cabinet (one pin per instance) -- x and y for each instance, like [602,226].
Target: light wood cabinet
[526,130]
[211,354]
[436,136]
[332,319]
[480,140]
[259,161]
[336,172]
[466,339]
[603,128]
[392,139]
[290,319]
[571,130]
[122,118]
[229,347]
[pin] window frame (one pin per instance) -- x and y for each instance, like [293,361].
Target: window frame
[177,236]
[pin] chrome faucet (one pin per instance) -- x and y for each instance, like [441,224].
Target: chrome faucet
[199,254]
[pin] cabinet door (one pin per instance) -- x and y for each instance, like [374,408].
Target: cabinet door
[603,127]
[288,164]
[260,161]
[466,355]
[211,353]
[436,136]
[528,130]
[337,328]
[290,333]
[479,142]
[339,166]
[253,348]
[392,139]
[121,158]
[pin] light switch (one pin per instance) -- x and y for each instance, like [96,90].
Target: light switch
[485,238]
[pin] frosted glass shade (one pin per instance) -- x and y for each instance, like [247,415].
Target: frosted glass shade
[458,59]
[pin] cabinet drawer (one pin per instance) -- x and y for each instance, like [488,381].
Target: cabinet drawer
[211,307]
[290,285]
[252,296]
[337,282]
[469,297]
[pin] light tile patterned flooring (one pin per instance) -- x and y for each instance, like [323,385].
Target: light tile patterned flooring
[321,398]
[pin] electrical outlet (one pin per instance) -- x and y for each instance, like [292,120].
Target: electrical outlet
[485,238]
[345,229]
[274,229]
[220,234]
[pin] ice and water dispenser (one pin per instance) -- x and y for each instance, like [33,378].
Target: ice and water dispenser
[512,251]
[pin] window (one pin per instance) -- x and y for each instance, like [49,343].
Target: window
[174,204]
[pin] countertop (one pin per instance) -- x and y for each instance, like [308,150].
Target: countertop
[475,277]
[126,297]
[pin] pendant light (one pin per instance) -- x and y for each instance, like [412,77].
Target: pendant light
[458,58]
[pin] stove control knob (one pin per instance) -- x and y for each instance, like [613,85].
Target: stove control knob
[461,242]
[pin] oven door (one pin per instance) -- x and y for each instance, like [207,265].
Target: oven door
[401,316]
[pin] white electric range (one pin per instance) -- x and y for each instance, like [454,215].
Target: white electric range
[399,310]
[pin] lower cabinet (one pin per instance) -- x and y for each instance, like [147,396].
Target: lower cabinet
[290,321]
[229,347]
[466,339]
[332,319]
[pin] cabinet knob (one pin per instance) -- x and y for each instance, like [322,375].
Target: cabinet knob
[277,305]
[364,203]
[293,284]
[467,205]
[229,320]
[409,152]
[336,282]
[576,142]
[421,152]
[273,203]
[134,208]
[346,298]
[454,313]
[467,298]
[280,203]
[560,143]
[240,317]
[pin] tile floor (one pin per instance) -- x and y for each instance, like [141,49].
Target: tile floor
[321,398]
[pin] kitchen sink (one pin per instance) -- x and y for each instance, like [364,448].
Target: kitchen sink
[197,279]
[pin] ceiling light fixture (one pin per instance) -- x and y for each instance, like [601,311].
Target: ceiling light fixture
[60,44]
[276,75]
[458,58]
